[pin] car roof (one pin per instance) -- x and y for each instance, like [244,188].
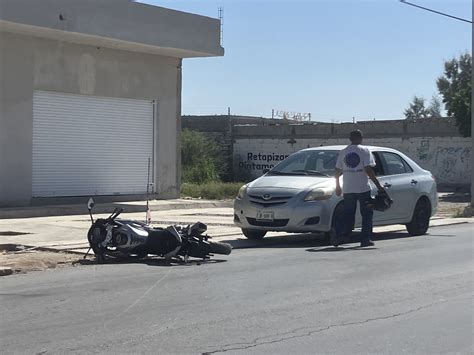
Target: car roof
[341,147]
[372,148]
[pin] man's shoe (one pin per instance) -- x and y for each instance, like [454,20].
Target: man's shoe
[333,239]
[367,244]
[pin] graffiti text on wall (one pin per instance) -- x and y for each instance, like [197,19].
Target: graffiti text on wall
[261,161]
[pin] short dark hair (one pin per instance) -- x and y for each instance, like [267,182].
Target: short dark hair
[356,135]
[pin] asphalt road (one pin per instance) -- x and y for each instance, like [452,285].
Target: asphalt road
[407,295]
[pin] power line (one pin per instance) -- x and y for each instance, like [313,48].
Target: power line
[436,12]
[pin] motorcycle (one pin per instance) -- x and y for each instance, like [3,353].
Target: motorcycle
[121,238]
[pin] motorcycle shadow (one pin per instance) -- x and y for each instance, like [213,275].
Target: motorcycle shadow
[151,261]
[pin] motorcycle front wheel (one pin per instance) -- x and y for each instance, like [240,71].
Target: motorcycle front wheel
[219,247]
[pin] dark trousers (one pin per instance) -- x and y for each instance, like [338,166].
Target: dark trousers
[346,223]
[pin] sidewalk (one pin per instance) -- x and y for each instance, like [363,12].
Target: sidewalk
[132,206]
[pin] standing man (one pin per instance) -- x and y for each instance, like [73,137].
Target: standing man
[355,163]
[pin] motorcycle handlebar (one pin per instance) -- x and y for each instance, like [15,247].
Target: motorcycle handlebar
[115,214]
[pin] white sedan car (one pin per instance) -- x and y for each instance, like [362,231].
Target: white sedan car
[298,195]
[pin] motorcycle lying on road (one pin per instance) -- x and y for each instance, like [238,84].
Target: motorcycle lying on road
[122,238]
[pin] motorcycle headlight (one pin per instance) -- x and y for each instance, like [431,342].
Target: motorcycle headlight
[241,192]
[320,194]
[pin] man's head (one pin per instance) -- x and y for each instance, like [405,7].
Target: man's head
[356,137]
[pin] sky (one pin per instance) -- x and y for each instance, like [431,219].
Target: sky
[335,59]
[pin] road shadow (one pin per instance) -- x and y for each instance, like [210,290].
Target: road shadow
[376,237]
[151,261]
[441,235]
[455,197]
[307,240]
[339,249]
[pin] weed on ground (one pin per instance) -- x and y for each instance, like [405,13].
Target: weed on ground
[211,191]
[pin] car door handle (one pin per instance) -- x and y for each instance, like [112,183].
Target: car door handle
[414,182]
[387,185]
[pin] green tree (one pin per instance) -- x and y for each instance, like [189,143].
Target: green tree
[417,109]
[434,110]
[455,88]
[199,158]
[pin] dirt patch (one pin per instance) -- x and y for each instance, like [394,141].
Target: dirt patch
[463,212]
[33,260]
[449,210]
[454,205]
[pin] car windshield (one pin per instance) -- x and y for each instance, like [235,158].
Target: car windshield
[308,162]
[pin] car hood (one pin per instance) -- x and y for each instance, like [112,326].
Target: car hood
[293,183]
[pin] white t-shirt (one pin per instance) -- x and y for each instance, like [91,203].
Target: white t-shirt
[351,161]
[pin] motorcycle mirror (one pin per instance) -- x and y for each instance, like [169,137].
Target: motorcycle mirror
[90,204]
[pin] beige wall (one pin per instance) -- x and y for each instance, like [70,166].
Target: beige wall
[28,64]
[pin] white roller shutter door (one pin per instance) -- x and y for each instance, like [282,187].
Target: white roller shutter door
[88,145]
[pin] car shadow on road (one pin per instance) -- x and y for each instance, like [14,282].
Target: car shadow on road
[309,240]
[339,249]
[376,238]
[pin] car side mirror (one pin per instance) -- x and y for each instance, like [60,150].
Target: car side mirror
[90,204]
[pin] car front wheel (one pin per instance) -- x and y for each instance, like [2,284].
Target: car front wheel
[254,234]
[420,221]
[331,237]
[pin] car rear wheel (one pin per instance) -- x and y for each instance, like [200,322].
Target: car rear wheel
[420,221]
[254,234]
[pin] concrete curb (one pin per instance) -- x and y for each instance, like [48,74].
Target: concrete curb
[71,210]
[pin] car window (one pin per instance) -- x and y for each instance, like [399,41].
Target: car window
[308,162]
[378,168]
[394,164]
[407,166]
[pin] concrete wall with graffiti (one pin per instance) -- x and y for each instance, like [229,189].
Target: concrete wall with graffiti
[253,144]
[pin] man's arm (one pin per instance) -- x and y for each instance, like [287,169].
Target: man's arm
[338,185]
[371,174]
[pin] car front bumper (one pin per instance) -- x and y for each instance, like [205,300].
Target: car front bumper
[296,216]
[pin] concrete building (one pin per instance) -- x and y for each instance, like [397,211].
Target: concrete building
[90,93]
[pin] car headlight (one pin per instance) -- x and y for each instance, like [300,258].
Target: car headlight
[320,194]
[241,192]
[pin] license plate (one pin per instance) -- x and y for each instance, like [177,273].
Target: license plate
[265,215]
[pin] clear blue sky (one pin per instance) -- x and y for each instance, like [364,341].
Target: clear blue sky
[334,58]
